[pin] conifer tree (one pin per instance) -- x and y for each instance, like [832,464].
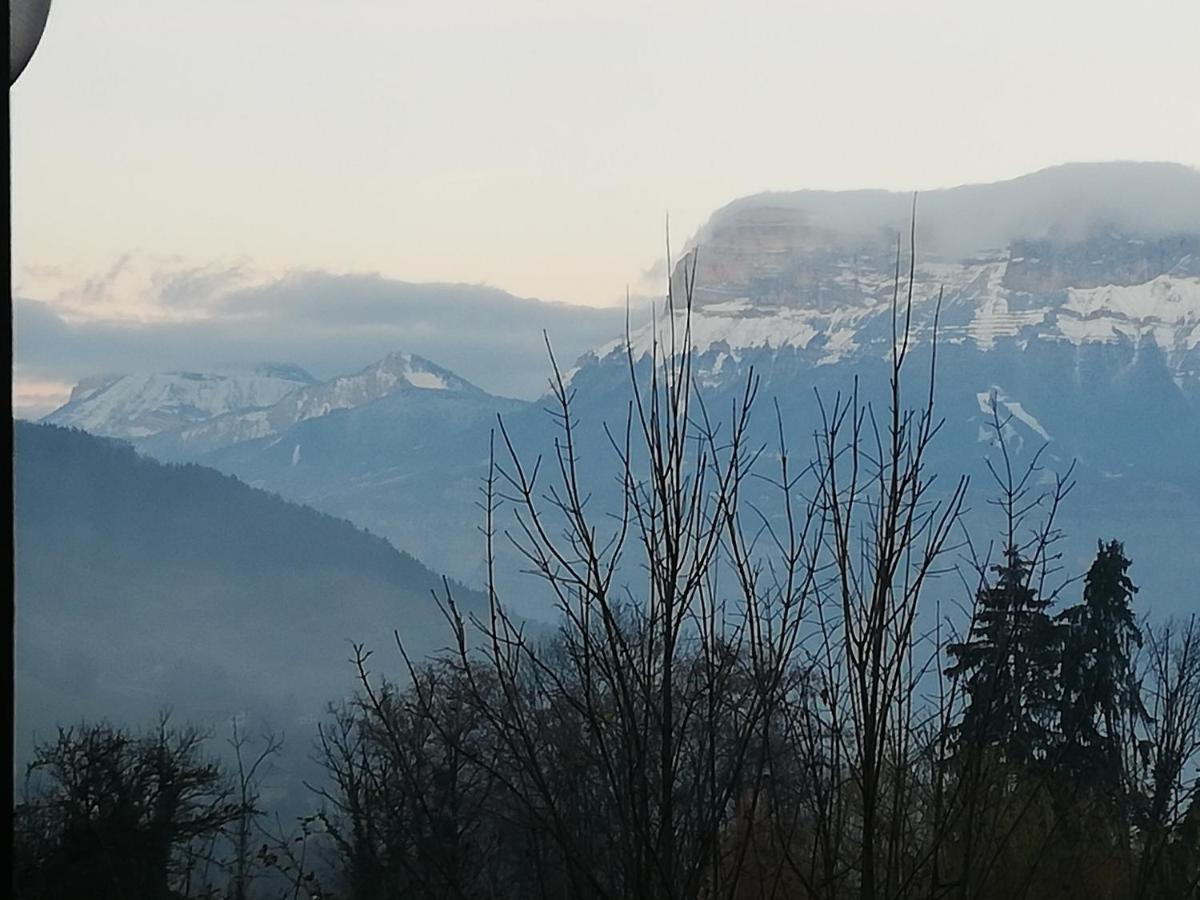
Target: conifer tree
[1101,696]
[1010,662]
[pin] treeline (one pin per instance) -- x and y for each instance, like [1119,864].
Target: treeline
[1064,769]
[468,784]
[745,702]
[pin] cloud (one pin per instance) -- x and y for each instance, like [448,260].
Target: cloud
[99,289]
[1067,202]
[199,287]
[326,323]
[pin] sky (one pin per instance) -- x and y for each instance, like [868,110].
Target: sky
[534,146]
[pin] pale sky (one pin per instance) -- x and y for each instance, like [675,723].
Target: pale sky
[538,146]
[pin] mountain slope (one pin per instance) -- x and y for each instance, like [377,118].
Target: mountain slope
[387,447]
[141,585]
[395,447]
[406,465]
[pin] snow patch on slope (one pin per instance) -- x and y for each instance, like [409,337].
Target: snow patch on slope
[724,323]
[976,308]
[997,398]
[1166,307]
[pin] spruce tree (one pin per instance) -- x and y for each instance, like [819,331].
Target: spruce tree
[1101,696]
[1010,663]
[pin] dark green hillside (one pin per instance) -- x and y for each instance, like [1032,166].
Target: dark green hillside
[141,585]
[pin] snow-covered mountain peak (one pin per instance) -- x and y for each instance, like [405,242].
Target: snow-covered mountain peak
[138,406]
[399,369]
[223,407]
[396,373]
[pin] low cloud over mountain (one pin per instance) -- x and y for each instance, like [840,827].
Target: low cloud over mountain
[327,323]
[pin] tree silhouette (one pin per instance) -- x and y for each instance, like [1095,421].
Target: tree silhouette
[1010,663]
[1101,695]
[111,815]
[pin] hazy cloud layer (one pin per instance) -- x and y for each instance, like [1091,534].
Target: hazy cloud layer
[1067,202]
[326,323]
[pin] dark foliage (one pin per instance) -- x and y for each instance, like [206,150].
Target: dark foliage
[113,815]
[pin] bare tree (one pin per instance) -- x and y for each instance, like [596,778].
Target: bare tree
[408,812]
[678,698]
[745,694]
[652,707]
[1171,757]
[250,765]
[864,736]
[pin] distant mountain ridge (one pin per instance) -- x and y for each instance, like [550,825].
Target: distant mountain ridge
[331,323]
[397,373]
[138,406]
[194,412]
[1064,204]
[385,447]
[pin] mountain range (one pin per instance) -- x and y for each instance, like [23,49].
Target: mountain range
[1071,296]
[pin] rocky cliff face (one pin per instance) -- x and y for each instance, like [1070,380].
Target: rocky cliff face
[1034,259]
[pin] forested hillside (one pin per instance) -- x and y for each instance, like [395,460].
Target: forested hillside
[142,585]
